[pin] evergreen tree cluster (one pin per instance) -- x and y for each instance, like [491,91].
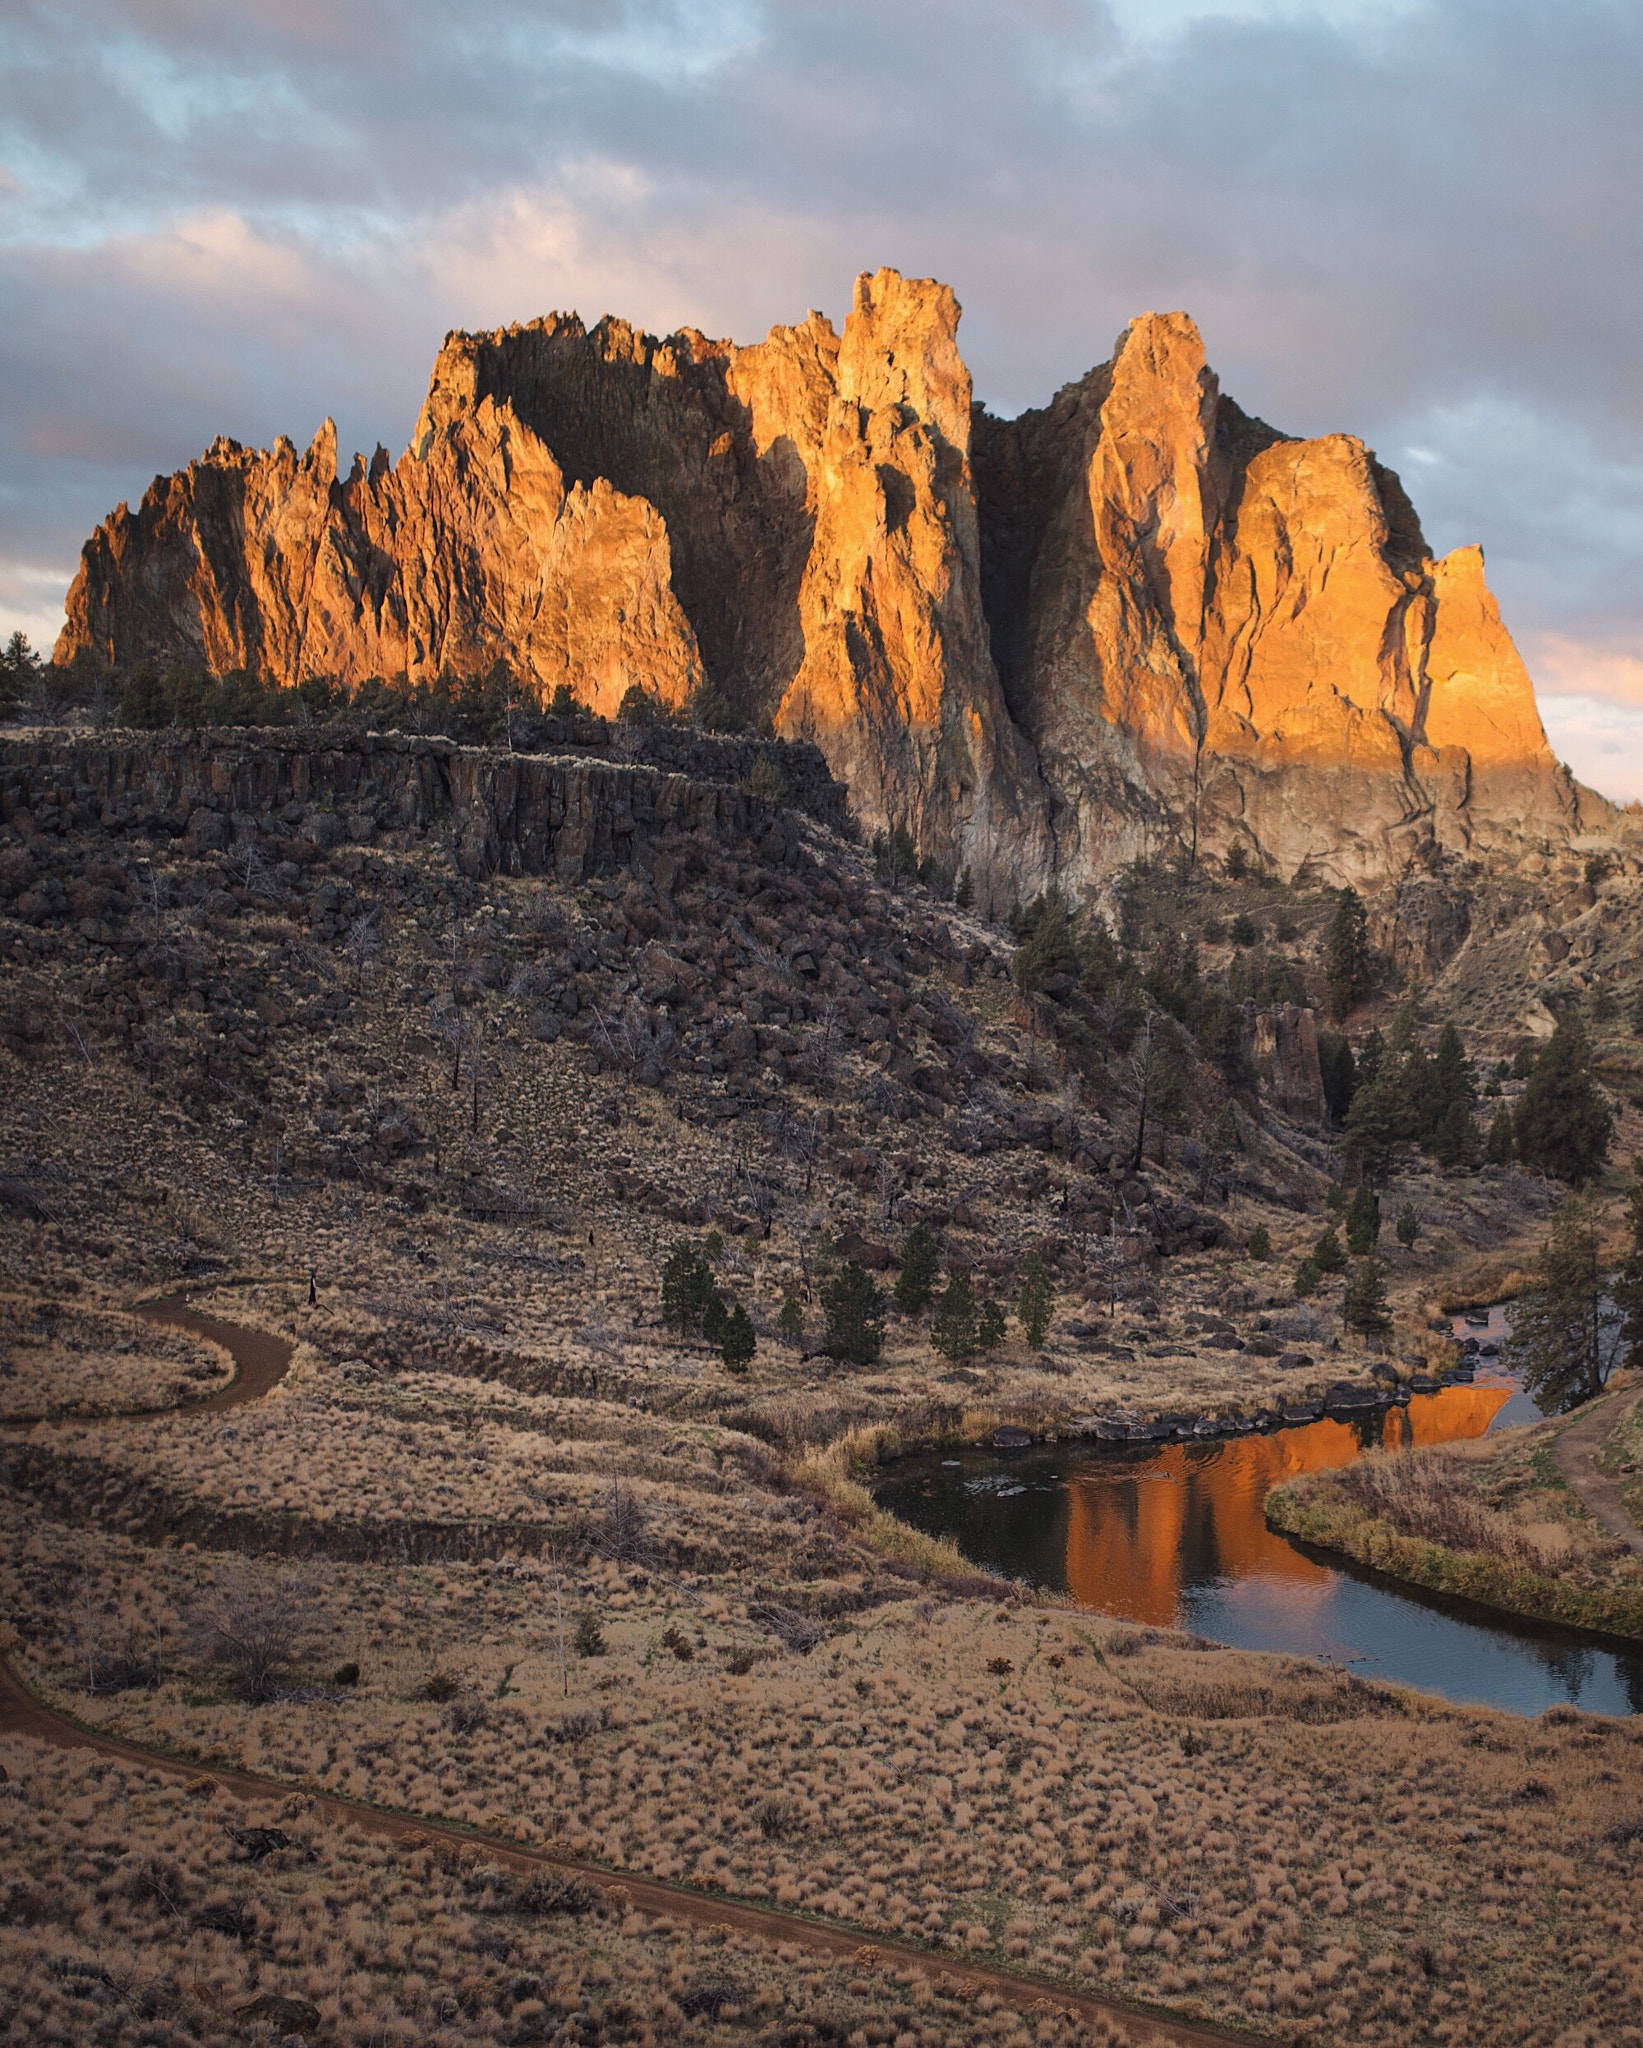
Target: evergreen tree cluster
[1403,1095]
[966,1322]
[693,1305]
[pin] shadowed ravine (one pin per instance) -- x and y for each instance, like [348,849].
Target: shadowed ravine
[261,1362]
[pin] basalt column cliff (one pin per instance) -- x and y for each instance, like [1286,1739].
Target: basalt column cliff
[1136,619]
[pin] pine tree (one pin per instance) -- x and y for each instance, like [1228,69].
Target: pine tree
[920,1263]
[739,1340]
[1502,1148]
[1346,953]
[688,1293]
[1452,1073]
[1033,1305]
[1364,1308]
[1363,1221]
[989,1326]
[1259,1243]
[1408,1226]
[791,1320]
[953,1332]
[1626,1287]
[1375,1123]
[854,1308]
[1307,1277]
[1326,1254]
[1563,1124]
[1567,1337]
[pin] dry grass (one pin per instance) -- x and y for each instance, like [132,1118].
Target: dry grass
[1492,1521]
[133,1910]
[58,1359]
[1179,1822]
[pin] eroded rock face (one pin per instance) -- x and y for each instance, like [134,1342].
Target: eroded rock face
[1133,621]
[470,548]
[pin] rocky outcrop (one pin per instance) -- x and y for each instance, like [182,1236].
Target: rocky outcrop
[469,550]
[1284,1043]
[562,815]
[1135,620]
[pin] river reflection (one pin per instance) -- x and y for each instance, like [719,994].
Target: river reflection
[1173,1536]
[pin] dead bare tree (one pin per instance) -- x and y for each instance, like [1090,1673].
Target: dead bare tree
[255,1628]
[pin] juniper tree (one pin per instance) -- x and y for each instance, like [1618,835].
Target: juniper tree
[1364,1307]
[1326,1254]
[953,1332]
[1033,1304]
[989,1326]
[1408,1226]
[688,1291]
[791,1320]
[854,1309]
[1259,1242]
[920,1263]
[739,1340]
[1502,1146]
[1363,1221]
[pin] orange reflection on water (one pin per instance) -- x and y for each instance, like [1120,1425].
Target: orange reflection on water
[1135,1527]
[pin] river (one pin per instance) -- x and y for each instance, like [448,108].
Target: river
[1173,1536]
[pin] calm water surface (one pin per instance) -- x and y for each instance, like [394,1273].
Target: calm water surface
[1173,1535]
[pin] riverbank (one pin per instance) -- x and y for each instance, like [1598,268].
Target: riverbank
[1496,1522]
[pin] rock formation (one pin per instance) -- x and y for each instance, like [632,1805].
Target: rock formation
[1135,620]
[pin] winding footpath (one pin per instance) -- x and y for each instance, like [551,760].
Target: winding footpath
[1576,1454]
[261,1361]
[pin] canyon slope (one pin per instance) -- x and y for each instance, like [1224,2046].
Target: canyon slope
[1135,621]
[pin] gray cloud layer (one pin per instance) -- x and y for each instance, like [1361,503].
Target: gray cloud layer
[1418,223]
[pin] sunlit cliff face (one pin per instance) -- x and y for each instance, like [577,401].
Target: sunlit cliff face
[1137,1532]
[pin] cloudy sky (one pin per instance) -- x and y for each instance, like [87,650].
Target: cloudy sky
[1416,220]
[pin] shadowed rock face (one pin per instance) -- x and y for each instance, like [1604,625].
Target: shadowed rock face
[1134,620]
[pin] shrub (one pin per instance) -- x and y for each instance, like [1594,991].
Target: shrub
[255,1628]
[345,1674]
[439,1685]
[766,780]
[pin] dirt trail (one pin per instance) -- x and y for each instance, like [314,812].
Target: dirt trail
[1576,1452]
[262,1360]
[260,1363]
